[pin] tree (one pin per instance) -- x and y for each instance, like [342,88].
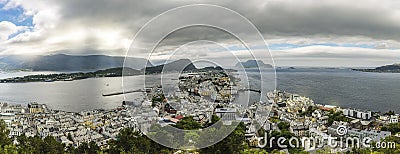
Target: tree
[253,151]
[283,126]
[4,132]
[52,146]
[188,123]
[129,141]
[86,148]
[9,149]
[25,145]
[394,128]
[336,116]
[214,119]
[69,137]
[309,111]
[191,137]
[325,150]
[219,106]
[274,119]
[389,113]
[233,143]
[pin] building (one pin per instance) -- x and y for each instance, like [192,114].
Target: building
[394,119]
[7,117]
[299,129]
[373,134]
[36,108]
[365,115]
[319,137]
[281,104]
[226,113]
[361,134]
[360,124]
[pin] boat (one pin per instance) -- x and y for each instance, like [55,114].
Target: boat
[69,79]
[48,80]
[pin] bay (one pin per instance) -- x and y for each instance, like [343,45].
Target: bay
[341,87]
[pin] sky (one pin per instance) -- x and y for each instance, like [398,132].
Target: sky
[331,33]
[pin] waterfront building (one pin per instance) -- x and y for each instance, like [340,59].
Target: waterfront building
[36,108]
[354,113]
[394,119]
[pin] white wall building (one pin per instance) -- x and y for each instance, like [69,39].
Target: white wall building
[365,115]
[394,119]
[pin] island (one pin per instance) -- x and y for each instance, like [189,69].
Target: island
[112,72]
[182,65]
[253,64]
[394,68]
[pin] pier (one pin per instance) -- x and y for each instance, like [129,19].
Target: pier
[123,92]
[249,89]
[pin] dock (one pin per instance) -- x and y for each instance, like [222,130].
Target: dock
[248,89]
[122,92]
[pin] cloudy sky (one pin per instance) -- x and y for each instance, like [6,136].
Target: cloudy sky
[299,33]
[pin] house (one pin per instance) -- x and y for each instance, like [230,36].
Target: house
[394,119]
[66,141]
[360,124]
[226,113]
[323,120]
[253,141]
[316,114]
[384,118]
[7,117]
[299,129]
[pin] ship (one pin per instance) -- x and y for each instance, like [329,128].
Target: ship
[69,79]
[48,80]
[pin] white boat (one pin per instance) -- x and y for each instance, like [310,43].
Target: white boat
[48,80]
[69,79]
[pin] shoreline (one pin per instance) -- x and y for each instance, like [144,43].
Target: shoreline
[140,90]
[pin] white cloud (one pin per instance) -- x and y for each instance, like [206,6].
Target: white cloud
[8,28]
[336,56]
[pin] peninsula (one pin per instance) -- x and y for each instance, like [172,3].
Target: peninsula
[394,68]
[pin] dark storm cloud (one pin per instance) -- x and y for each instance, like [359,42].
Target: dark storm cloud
[374,19]
[330,20]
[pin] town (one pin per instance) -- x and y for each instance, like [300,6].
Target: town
[201,96]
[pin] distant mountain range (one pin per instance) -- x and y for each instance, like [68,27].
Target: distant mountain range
[253,64]
[175,66]
[118,71]
[62,62]
[394,68]
[109,64]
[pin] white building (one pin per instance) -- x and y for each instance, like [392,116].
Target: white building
[227,115]
[394,119]
[365,115]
